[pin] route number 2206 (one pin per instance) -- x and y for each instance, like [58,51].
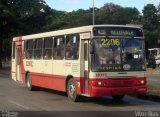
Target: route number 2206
[110,42]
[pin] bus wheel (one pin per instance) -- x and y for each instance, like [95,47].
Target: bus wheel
[29,85]
[118,97]
[72,91]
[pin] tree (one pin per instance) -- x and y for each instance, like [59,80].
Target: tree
[72,19]
[158,22]
[32,15]
[104,16]
[6,24]
[150,24]
[21,17]
[114,14]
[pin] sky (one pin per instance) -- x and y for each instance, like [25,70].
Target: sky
[70,5]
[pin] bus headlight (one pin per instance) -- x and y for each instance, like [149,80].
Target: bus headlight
[142,82]
[99,83]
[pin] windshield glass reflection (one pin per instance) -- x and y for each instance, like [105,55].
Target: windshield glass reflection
[118,54]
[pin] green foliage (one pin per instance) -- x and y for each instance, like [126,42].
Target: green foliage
[151,24]
[150,17]
[158,8]
[22,17]
[115,14]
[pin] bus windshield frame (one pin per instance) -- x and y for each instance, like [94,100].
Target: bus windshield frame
[117,54]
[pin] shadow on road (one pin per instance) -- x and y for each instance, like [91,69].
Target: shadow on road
[154,98]
[107,101]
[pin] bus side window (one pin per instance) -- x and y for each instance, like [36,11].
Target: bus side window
[29,49]
[58,48]
[72,47]
[13,50]
[38,48]
[47,51]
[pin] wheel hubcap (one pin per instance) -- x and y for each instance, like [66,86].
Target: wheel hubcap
[28,83]
[71,90]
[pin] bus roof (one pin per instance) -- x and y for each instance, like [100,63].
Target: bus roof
[73,30]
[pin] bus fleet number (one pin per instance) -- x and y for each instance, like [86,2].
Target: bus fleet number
[110,42]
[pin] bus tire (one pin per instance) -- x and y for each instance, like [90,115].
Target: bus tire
[118,97]
[72,91]
[29,85]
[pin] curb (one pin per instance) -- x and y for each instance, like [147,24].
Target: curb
[5,71]
[5,74]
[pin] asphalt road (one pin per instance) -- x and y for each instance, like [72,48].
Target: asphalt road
[15,96]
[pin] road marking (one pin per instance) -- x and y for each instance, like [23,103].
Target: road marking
[13,102]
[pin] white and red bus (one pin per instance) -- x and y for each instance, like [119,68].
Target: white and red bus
[100,60]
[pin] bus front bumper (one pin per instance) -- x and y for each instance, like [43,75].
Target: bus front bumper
[104,91]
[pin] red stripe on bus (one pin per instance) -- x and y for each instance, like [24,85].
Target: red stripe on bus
[113,86]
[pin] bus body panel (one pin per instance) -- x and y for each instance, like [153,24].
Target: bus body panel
[118,86]
[115,75]
[49,81]
[107,83]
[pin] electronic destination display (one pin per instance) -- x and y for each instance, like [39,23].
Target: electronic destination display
[117,31]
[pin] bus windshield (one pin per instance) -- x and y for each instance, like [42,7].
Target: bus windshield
[118,54]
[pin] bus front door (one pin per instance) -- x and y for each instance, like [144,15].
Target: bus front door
[18,63]
[13,67]
[16,59]
[85,67]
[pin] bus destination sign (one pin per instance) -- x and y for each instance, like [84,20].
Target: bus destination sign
[117,31]
[122,32]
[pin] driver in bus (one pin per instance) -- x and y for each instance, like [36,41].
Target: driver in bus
[128,57]
[117,56]
[106,57]
[102,56]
